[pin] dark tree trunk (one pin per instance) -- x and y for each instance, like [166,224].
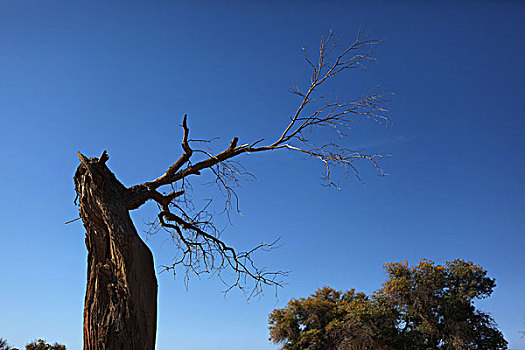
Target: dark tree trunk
[120,311]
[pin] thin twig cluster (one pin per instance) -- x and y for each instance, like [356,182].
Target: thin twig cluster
[201,248]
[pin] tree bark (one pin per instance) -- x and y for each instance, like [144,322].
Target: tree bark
[120,311]
[121,295]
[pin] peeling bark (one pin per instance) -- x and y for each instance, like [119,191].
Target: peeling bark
[120,310]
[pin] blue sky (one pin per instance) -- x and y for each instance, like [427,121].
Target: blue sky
[119,76]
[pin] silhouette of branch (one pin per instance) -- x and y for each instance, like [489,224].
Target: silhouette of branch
[194,231]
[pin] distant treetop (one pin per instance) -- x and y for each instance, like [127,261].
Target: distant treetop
[423,307]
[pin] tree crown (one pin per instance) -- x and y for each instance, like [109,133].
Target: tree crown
[419,307]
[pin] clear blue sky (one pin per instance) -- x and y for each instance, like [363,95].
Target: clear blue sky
[119,76]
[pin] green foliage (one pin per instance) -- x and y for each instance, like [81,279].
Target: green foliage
[423,307]
[41,344]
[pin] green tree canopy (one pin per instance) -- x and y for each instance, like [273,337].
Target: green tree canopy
[423,307]
[41,344]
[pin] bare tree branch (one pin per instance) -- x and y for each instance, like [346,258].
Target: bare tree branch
[194,232]
[168,176]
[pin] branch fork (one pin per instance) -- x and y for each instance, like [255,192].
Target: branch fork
[193,230]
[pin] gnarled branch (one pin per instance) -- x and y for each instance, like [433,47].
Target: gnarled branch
[202,249]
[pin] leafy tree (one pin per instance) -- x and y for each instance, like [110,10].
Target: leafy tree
[426,306]
[41,344]
[121,295]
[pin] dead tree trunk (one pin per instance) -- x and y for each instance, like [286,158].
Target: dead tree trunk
[120,310]
[121,298]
